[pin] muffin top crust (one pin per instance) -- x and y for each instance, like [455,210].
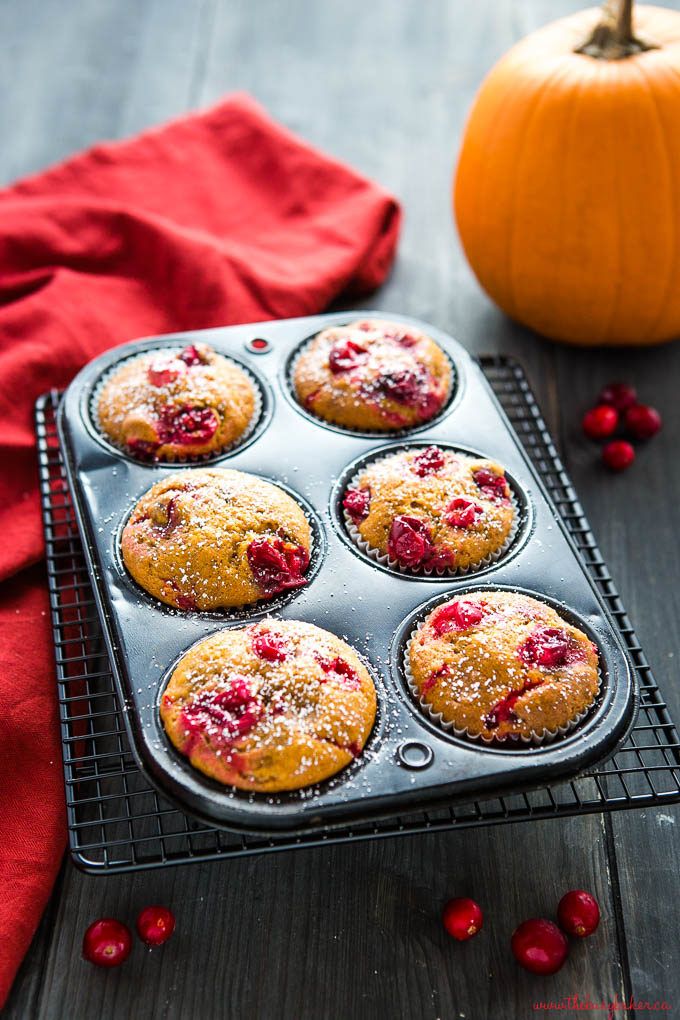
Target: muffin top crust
[431,508]
[501,664]
[373,375]
[214,538]
[165,406]
[274,706]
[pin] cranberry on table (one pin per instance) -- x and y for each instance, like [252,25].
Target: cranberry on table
[618,455]
[155,925]
[539,946]
[619,395]
[107,942]
[600,422]
[578,913]
[642,421]
[462,918]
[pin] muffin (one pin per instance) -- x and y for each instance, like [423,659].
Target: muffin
[498,664]
[274,706]
[373,375]
[165,406]
[431,509]
[213,538]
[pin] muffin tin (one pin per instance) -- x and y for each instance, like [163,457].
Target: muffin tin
[408,763]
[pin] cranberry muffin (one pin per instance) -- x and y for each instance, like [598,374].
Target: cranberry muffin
[431,509]
[213,538]
[499,664]
[164,406]
[373,375]
[274,706]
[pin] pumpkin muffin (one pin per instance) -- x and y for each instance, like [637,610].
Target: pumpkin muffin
[165,406]
[431,509]
[498,664]
[213,538]
[373,375]
[274,706]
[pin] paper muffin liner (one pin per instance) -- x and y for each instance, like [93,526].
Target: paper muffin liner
[372,433]
[200,458]
[386,561]
[537,739]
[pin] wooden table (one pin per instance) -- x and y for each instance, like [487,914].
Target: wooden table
[354,931]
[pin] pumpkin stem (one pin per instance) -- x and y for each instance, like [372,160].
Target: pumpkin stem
[613,38]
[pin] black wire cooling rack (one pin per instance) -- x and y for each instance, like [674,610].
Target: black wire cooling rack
[117,822]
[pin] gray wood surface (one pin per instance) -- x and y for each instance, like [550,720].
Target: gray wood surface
[354,932]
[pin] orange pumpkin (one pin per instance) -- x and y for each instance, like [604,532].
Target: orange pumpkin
[567,191]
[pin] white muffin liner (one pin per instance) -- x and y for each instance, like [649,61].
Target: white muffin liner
[377,433]
[537,739]
[201,458]
[386,561]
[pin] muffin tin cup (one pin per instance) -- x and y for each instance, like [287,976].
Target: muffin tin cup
[386,561]
[462,733]
[348,593]
[196,460]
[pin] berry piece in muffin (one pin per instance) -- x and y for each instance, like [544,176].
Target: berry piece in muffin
[213,538]
[431,509]
[164,406]
[274,706]
[500,664]
[373,375]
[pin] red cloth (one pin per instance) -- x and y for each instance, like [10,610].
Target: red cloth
[215,218]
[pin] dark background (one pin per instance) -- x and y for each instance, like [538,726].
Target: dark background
[354,931]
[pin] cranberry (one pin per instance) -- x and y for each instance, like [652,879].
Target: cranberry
[163,371]
[357,503]
[504,709]
[404,339]
[462,614]
[144,448]
[277,565]
[618,455]
[191,357]
[107,942]
[344,355]
[546,646]
[600,422]
[462,513]
[341,671]
[188,426]
[462,918]
[173,517]
[402,386]
[182,599]
[428,461]
[155,925]
[578,913]
[271,647]
[642,421]
[492,485]
[224,713]
[619,395]
[409,541]
[539,946]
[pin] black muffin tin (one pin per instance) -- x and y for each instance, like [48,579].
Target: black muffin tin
[408,763]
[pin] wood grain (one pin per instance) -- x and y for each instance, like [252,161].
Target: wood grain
[353,931]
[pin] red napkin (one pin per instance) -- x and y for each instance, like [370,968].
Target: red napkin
[215,218]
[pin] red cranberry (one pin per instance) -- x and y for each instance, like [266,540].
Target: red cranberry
[461,615]
[271,647]
[182,599]
[163,371]
[344,355]
[428,461]
[277,565]
[642,421]
[341,671]
[462,513]
[188,426]
[357,503]
[492,485]
[618,455]
[619,395]
[224,713]
[546,646]
[409,541]
[107,942]
[539,946]
[191,357]
[402,386]
[600,422]
[504,709]
[155,925]
[462,918]
[578,913]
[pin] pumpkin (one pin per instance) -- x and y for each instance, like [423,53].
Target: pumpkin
[567,190]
